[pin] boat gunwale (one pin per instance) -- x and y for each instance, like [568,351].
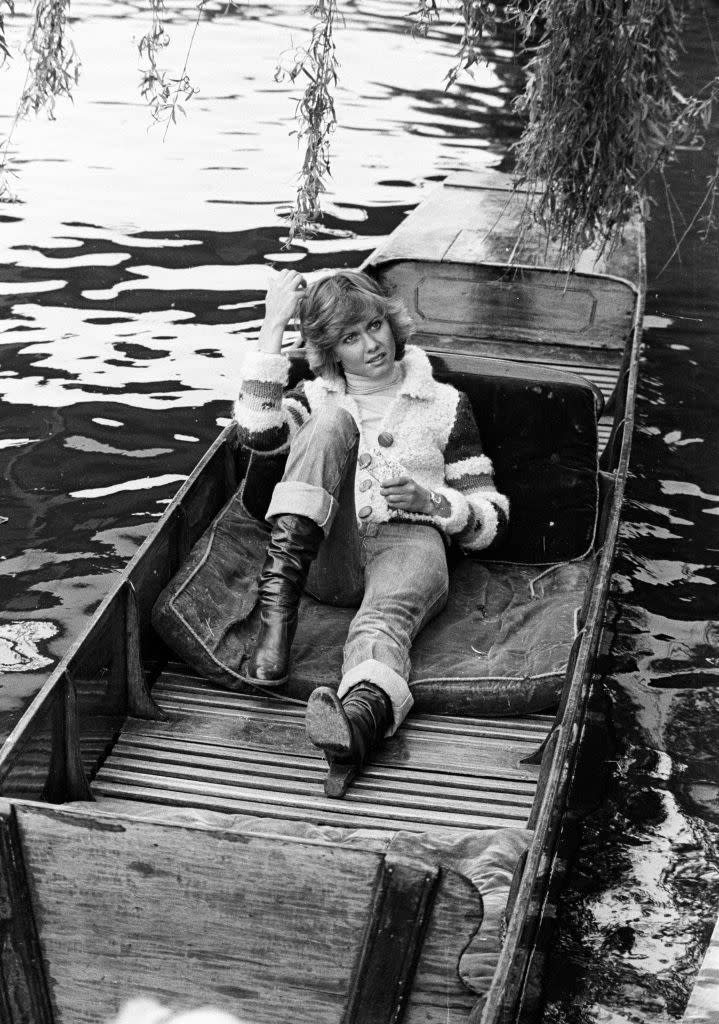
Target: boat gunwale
[12,747]
[553,797]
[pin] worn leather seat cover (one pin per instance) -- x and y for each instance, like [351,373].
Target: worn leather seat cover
[500,647]
[539,427]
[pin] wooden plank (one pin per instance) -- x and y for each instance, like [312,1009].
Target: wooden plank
[136,737]
[77,786]
[392,943]
[463,300]
[277,801]
[206,694]
[453,795]
[506,236]
[703,1005]
[26,772]
[243,754]
[338,813]
[201,497]
[547,352]
[23,986]
[204,698]
[248,923]
[437,980]
[140,703]
[417,780]
[465,754]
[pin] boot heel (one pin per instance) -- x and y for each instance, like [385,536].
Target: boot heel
[347,730]
[326,723]
[339,778]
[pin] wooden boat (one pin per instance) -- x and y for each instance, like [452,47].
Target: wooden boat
[161,835]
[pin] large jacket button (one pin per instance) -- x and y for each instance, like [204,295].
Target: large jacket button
[364,460]
[365,511]
[365,485]
[386,439]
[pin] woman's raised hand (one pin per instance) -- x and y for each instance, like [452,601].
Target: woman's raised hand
[284,291]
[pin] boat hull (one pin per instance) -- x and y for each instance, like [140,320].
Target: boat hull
[119,722]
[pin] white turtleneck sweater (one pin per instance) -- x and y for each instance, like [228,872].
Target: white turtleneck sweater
[372,401]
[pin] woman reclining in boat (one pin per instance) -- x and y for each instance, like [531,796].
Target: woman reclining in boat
[384,465]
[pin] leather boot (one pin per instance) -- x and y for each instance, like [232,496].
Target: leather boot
[292,548]
[348,730]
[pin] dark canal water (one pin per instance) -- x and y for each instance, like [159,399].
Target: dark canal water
[133,276]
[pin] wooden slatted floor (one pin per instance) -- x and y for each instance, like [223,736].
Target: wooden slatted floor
[232,753]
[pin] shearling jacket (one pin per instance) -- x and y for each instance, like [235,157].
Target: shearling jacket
[431,432]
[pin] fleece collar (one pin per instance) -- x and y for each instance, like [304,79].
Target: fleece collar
[417,381]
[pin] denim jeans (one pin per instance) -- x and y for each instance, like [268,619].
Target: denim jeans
[395,572]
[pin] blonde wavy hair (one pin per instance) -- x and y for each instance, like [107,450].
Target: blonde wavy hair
[334,303]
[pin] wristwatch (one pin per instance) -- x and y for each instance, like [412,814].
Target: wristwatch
[435,498]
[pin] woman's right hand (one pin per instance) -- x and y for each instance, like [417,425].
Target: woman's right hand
[284,292]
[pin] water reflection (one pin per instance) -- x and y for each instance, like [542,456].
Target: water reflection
[644,891]
[134,270]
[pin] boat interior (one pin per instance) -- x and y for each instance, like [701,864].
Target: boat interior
[152,734]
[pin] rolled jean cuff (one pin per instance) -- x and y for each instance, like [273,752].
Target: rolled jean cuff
[293,497]
[389,681]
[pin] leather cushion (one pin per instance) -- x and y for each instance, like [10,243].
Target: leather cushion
[539,427]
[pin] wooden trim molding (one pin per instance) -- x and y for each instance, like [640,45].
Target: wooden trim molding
[24,997]
[403,898]
[140,703]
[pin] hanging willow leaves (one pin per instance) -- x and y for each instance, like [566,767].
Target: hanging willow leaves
[164,93]
[154,86]
[53,65]
[425,14]
[603,112]
[602,107]
[315,113]
[6,7]
[477,20]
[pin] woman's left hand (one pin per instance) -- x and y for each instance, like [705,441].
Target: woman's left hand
[402,492]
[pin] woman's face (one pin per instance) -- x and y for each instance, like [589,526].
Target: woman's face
[367,348]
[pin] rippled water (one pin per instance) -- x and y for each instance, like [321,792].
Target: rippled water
[134,271]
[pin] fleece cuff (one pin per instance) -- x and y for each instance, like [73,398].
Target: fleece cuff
[267,367]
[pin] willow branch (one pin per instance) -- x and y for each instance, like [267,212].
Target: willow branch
[164,93]
[6,7]
[478,19]
[424,15]
[315,114]
[53,63]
